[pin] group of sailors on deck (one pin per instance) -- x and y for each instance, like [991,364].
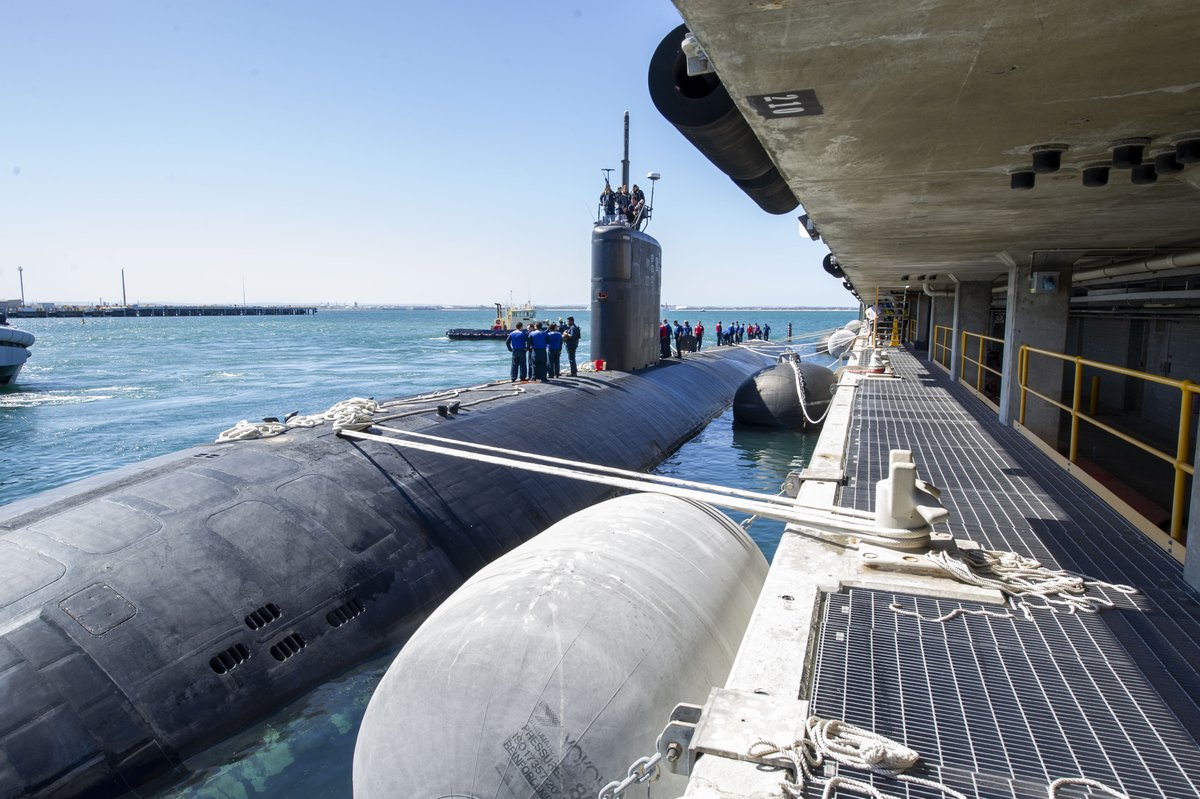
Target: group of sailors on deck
[536,351]
[622,206]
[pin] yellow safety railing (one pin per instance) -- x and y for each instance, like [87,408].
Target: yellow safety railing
[980,364]
[912,329]
[940,346]
[1179,460]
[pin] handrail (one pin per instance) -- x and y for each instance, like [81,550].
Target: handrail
[940,347]
[1179,461]
[980,366]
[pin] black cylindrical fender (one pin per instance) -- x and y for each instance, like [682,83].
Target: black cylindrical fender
[701,109]
[831,265]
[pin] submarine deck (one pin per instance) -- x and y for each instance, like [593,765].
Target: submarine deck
[997,707]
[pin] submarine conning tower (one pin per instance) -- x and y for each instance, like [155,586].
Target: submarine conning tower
[626,283]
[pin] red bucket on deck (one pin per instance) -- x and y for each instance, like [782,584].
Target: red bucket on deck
[598,366]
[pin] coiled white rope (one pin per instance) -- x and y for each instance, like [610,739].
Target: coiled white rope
[245,430]
[850,746]
[1019,579]
[1022,579]
[356,413]
[859,748]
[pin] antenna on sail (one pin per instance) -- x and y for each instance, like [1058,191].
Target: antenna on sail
[653,177]
[625,160]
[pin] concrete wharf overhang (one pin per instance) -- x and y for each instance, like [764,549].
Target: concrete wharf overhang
[928,107]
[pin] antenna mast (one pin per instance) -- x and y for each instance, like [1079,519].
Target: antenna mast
[625,160]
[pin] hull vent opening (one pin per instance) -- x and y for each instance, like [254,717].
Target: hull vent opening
[230,659]
[344,613]
[268,613]
[288,646]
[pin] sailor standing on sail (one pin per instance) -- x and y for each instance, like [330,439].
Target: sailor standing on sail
[608,201]
[516,343]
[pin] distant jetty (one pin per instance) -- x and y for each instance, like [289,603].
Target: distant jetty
[50,312]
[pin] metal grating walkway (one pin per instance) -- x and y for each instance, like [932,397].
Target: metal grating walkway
[1001,707]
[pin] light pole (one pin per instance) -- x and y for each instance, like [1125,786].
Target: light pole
[21,276]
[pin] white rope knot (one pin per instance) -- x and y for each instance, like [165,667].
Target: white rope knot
[355,413]
[246,430]
[859,748]
[850,746]
[1022,578]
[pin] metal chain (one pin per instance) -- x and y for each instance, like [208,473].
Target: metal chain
[749,520]
[641,770]
[802,390]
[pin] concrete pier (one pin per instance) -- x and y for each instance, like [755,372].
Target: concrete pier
[997,705]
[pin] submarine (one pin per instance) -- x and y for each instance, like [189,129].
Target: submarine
[149,613]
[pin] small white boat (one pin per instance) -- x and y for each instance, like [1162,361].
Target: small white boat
[14,351]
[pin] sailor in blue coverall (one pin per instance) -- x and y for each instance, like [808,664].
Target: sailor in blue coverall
[517,342]
[538,342]
[554,342]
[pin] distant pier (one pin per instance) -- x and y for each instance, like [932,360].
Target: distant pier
[162,310]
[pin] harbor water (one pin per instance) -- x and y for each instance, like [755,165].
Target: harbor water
[103,393]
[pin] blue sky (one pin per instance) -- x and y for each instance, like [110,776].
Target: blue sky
[355,151]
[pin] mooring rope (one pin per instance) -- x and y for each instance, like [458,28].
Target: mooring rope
[840,521]
[850,746]
[600,469]
[1052,791]
[863,749]
[1022,579]
[358,413]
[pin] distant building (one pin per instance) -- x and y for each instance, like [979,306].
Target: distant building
[10,306]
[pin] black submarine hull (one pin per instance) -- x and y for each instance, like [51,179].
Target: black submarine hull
[149,613]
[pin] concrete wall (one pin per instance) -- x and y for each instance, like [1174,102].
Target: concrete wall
[972,313]
[942,316]
[924,305]
[1038,320]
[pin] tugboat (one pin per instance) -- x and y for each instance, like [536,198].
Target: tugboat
[506,317]
[14,350]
